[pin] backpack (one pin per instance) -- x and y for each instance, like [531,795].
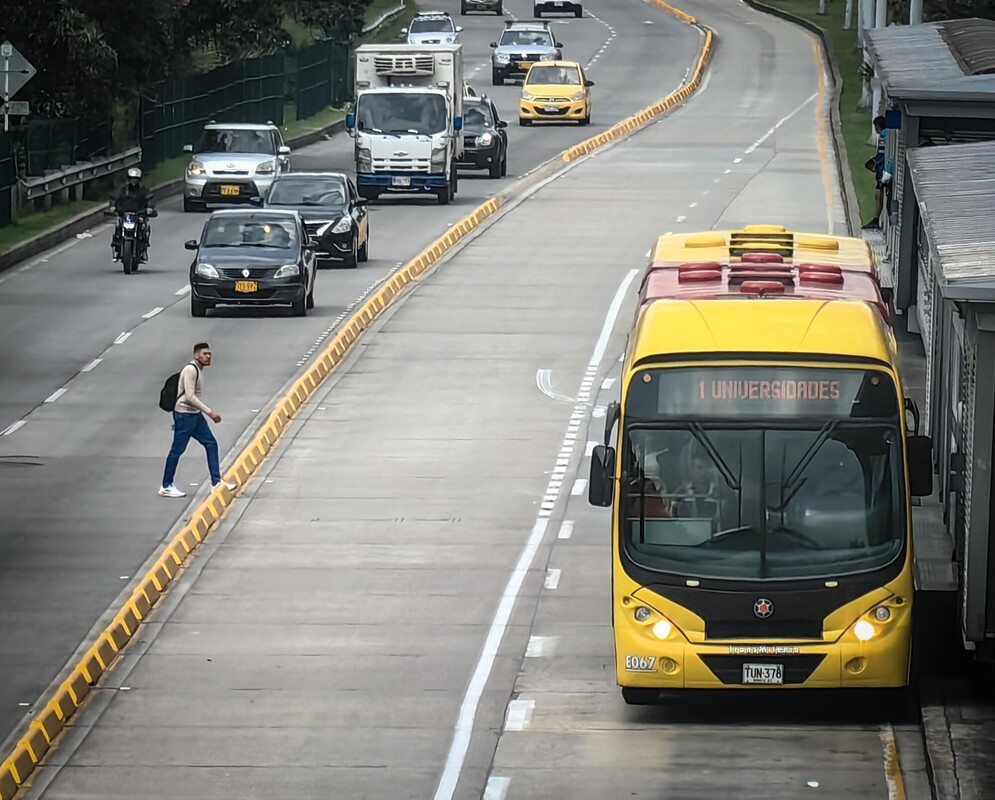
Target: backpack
[170,391]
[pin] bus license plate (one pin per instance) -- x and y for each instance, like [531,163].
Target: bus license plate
[246,287]
[399,181]
[763,673]
[230,191]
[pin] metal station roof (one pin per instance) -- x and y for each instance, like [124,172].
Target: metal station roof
[955,187]
[952,59]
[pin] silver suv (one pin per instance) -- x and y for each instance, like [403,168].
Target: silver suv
[521,44]
[233,163]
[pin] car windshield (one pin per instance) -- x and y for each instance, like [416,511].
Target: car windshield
[291,191]
[550,76]
[775,478]
[237,141]
[432,25]
[476,116]
[268,232]
[397,112]
[526,39]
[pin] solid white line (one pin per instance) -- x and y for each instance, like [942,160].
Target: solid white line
[613,309]
[122,338]
[780,122]
[56,395]
[478,681]
[579,486]
[92,365]
[15,427]
[552,578]
[566,529]
[182,291]
[519,714]
[497,788]
[152,313]
[471,700]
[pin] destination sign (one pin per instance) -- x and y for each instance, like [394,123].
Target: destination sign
[775,391]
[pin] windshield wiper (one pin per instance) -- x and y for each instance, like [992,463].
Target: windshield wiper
[791,485]
[385,133]
[699,434]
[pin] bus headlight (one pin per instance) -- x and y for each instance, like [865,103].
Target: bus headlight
[882,613]
[864,631]
[662,629]
[642,614]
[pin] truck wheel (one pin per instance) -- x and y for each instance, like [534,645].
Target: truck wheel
[444,195]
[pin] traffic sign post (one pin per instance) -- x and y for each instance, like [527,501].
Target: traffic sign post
[16,71]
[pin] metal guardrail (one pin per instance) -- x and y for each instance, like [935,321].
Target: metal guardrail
[84,171]
[387,16]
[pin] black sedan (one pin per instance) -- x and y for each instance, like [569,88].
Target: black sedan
[252,258]
[334,214]
[485,138]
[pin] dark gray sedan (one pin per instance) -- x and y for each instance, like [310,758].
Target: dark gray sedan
[334,214]
[252,258]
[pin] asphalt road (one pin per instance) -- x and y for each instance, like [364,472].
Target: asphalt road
[78,476]
[412,601]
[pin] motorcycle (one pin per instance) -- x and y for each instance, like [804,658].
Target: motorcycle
[129,251]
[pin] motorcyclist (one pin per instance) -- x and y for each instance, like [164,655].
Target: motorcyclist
[133,197]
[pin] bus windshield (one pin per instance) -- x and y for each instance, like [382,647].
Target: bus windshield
[763,493]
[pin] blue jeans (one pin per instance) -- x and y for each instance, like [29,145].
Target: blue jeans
[185,428]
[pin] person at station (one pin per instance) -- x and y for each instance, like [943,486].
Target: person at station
[876,164]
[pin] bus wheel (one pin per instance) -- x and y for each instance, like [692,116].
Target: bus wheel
[640,697]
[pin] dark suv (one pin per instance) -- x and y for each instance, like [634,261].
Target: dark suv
[494,6]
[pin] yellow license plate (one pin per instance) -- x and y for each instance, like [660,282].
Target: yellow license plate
[524,65]
[246,286]
[230,191]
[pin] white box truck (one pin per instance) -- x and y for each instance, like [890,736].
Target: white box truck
[406,119]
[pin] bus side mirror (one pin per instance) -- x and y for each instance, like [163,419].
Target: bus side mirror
[920,449]
[601,487]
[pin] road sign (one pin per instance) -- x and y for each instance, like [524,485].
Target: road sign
[17,108]
[15,70]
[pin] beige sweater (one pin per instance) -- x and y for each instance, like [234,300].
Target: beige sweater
[191,387]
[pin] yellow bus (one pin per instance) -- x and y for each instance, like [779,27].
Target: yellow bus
[760,481]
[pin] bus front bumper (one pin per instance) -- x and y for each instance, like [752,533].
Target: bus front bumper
[882,662]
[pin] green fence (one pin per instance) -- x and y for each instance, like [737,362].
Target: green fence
[319,76]
[8,178]
[246,91]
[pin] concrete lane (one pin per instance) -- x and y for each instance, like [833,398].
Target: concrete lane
[95,453]
[326,642]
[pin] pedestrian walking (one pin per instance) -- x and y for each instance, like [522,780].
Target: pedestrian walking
[190,422]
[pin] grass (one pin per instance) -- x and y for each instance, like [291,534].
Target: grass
[31,224]
[855,122]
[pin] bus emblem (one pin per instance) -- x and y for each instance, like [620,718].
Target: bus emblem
[763,608]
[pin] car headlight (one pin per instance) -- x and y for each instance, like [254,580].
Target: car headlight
[287,271]
[266,168]
[439,157]
[342,226]
[502,58]
[195,168]
[484,139]
[206,271]
[578,96]
[364,159]
[527,95]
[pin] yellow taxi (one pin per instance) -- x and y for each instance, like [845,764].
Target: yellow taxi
[555,90]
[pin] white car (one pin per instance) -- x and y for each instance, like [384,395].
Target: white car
[541,7]
[432,27]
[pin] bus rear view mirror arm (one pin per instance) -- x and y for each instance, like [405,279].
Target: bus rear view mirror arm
[611,417]
[601,487]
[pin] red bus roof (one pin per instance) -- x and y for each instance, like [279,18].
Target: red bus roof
[754,278]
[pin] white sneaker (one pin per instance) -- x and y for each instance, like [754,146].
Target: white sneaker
[231,487]
[170,491]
